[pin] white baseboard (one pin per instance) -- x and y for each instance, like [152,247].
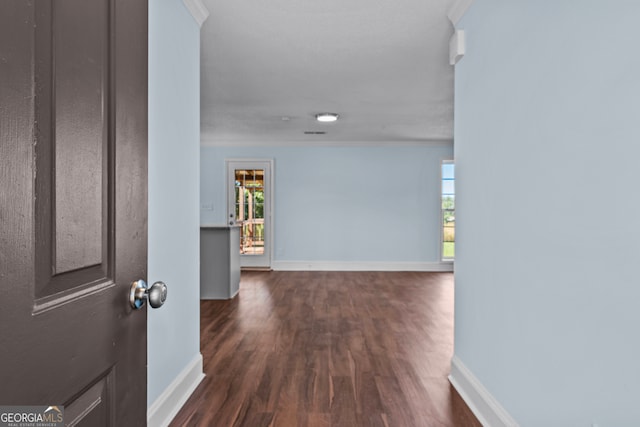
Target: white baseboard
[166,406]
[360,266]
[483,405]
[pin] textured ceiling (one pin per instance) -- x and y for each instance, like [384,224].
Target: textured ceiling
[382,65]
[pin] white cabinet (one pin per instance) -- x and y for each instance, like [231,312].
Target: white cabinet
[219,262]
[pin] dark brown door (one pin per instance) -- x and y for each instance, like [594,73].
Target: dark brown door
[73,207]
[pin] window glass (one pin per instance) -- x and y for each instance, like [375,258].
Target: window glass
[448,210]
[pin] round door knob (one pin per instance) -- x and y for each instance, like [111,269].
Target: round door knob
[140,293]
[157,294]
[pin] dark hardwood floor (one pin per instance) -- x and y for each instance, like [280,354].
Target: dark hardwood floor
[329,349]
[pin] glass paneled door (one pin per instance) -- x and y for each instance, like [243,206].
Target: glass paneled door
[249,207]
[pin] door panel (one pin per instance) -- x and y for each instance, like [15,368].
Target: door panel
[76,76]
[94,406]
[72,181]
[73,203]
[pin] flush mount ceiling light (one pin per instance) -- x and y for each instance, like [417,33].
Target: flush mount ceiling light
[326,117]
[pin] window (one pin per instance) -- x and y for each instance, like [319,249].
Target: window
[448,210]
[249,209]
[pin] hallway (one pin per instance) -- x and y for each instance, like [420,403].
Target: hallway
[329,349]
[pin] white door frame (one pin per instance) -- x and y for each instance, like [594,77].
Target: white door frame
[262,261]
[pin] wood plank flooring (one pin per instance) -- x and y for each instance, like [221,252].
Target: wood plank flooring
[329,349]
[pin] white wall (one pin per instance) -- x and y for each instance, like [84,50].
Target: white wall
[548,209]
[343,207]
[174,165]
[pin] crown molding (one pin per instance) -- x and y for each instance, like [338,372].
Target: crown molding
[198,10]
[458,10]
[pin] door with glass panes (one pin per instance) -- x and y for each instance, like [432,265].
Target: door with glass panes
[249,207]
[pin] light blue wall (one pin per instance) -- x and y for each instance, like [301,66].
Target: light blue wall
[174,166]
[344,204]
[548,209]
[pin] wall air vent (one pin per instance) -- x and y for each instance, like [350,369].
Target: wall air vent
[314,132]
